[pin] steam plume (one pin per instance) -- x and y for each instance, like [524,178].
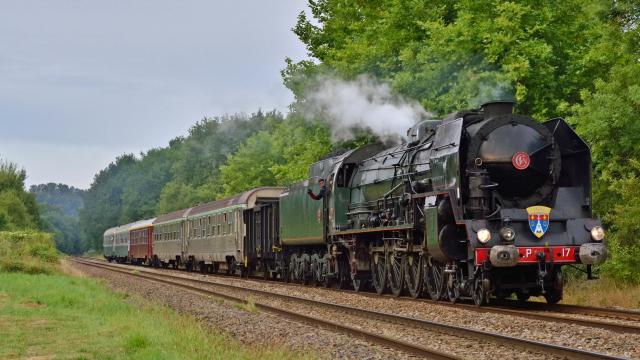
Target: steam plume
[362,103]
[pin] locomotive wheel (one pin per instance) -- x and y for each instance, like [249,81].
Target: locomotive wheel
[305,272]
[324,271]
[379,272]
[396,272]
[553,294]
[413,274]
[293,268]
[434,279]
[358,284]
[344,273]
[521,296]
[316,274]
[479,293]
[453,288]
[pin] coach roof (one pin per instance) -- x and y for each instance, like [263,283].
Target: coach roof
[247,198]
[172,216]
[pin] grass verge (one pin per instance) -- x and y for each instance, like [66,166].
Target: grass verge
[601,292]
[59,316]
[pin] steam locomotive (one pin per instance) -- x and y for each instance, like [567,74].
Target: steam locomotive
[482,203]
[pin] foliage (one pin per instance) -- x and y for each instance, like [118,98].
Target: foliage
[277,157]
[27,251]
[103,201]
[64,197]
[59,208]
[166,179]
[18,209]
[65,229]
[609,112]
[456,55]
[194,175]
[51,315]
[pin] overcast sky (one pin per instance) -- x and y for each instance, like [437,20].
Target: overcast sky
[84,81]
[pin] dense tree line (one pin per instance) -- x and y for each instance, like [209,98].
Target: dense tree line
[59,210]
[161,180]
[576,59]
[18,208]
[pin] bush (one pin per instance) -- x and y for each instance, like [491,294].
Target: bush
[28,251]
[623,263]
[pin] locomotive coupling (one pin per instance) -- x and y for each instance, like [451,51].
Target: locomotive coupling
[592,254]
[504,256]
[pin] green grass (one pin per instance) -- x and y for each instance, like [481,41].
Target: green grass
[78,318]
[602,292]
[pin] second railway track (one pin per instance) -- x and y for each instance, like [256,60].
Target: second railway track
[222,290]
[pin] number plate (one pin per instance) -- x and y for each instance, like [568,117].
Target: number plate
[528,255]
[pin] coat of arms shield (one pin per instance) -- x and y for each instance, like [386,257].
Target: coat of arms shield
[538,219]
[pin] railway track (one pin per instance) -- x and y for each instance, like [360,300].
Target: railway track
[204,287]
[611,313]
[530,310]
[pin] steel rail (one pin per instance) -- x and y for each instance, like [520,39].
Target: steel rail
[530,310]
[397,344]
[622,314]
[533,345]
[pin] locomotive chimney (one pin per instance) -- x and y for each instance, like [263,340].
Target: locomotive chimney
[497,108]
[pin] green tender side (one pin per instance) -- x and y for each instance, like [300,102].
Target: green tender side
[300,217]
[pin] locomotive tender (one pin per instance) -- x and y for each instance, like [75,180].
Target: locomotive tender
[483,202]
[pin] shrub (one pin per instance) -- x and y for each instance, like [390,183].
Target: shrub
[27,251]
[623,263]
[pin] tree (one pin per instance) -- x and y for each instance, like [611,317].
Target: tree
[18,209]
[250,166]
[59,207]
[456,55]
[196,169]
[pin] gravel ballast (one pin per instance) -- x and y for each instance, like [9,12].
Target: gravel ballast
[253,328]
[575,336]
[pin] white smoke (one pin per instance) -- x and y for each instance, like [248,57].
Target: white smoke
[362,103]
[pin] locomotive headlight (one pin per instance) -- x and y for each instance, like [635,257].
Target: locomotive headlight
[507,234]
[484,236]
[597,233]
